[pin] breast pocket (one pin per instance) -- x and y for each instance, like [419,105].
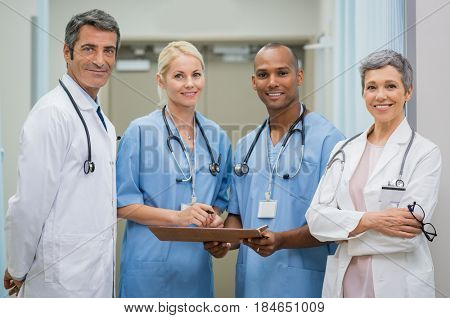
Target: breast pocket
[304,184]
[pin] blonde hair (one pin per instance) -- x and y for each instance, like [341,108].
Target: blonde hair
[170,53]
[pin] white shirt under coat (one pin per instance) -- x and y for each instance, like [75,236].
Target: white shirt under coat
[61,223]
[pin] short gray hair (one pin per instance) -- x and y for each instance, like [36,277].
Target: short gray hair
[98,19]
[383,58]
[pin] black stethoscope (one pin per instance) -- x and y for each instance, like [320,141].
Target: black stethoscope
[241,169]
[89,165]
[214,167]
[398,183]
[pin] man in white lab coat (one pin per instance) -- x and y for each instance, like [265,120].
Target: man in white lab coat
[61,223]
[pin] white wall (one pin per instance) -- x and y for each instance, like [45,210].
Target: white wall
[433,114]
[15,83]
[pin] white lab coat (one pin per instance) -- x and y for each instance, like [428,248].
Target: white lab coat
[401,267]
[61,223]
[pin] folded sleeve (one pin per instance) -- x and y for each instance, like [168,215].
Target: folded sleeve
[222,197]
[233,206]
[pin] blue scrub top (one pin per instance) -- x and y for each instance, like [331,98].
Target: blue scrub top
[288,272]
[146,174]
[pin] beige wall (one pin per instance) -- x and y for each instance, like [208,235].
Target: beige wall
[433,113]
[195,20]
[15,83]
[228,99]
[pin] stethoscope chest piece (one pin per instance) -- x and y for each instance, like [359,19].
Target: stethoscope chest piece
[89,167]
[214,168]
[241,169]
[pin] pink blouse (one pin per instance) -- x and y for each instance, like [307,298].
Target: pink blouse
[358,279]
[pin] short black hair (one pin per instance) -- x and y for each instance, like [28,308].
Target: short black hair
[275,45]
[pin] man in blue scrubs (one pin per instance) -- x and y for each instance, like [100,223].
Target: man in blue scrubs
[279,186]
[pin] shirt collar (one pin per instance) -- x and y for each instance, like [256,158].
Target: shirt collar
[80,90]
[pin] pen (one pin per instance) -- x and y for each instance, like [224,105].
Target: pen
[262,229]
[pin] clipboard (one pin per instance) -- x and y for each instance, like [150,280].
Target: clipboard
[202,234]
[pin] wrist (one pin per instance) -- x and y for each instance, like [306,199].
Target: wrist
[14,276]
[364,224]
[368,221]
[280,240]
[174,218]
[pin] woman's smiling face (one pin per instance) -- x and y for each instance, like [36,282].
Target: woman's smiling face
[184,81]
[385,95]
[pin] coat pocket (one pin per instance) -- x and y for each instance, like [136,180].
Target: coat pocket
[82,262]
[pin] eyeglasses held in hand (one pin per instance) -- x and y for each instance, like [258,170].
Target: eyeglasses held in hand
[419,214]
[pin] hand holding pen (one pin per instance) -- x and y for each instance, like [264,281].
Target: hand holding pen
[198,214]
[265,246]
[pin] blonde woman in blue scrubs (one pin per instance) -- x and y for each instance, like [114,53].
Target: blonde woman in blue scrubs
[173,168]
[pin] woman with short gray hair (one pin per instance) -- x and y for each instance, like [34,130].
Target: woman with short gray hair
[378,195]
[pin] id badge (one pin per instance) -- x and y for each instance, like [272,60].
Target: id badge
[391,196]
[267,209]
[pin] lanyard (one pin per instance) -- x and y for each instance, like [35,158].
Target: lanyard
[284,145]
[268,193]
